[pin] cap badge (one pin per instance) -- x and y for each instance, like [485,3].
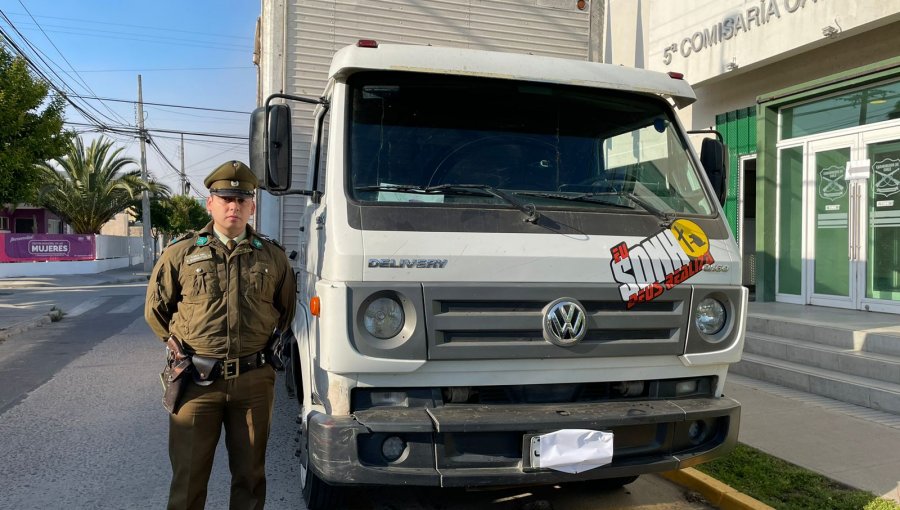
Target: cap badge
[235,183]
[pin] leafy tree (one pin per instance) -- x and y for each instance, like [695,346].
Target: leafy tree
[28,133]
[87,187]
[176,215]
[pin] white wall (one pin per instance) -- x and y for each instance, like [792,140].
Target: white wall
[112,252]
[701,38]
[18,269]
[741,87]
[783,44]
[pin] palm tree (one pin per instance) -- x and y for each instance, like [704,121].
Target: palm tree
[86,188]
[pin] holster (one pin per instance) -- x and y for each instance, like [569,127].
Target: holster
[275,350]
[174,374]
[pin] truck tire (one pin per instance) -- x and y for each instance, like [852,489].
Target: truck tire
[317,494]
[293,380]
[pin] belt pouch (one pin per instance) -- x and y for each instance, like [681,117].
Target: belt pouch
[205,369]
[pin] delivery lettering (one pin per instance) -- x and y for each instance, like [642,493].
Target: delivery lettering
[649,268]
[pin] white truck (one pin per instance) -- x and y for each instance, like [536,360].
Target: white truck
[513,269]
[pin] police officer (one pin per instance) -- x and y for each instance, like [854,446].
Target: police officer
[222,292]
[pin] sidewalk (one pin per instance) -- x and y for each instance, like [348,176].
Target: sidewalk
[854,445]
[26,302]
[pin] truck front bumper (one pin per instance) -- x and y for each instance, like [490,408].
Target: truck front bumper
[477,445]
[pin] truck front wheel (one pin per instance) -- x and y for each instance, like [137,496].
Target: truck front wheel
[293,380]
[317,494]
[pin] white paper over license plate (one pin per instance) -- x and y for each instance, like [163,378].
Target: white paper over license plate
[572,450]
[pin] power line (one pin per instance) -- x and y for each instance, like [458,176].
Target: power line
[86,86]
[152,39]
[43,76]
[197,133]
[216,155]
[207,143]
[88,112]
[198,117]
[133,130]
[173,167]
[153,69]
[160,29]
[161,104]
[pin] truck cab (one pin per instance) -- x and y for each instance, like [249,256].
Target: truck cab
[512,269]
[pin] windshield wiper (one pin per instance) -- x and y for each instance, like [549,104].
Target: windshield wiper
[665,217]
[531,214]
[407,188]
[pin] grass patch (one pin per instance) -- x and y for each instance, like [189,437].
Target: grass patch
[783,485]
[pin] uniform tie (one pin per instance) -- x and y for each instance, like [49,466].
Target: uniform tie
[230,245]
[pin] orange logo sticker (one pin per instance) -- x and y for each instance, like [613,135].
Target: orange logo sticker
[691,237]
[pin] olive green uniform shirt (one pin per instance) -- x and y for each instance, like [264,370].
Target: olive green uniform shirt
[221,304]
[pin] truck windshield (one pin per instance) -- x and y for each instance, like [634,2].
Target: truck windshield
[416,138]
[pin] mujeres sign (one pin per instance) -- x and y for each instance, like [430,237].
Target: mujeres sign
[46,247]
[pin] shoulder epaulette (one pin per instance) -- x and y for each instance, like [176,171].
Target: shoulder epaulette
[182,237]
[271,240]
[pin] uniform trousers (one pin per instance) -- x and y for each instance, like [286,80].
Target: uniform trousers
[243,406]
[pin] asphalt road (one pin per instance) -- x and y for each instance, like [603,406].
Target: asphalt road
[83,427]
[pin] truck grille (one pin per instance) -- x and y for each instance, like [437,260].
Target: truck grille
[507,322]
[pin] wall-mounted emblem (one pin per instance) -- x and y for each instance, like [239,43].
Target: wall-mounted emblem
[832,183]
[887,176]
[658,263]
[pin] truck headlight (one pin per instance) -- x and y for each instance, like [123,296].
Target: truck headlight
[384,318]
[710,316]
[716,320]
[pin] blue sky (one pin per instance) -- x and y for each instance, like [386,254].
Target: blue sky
[194,53]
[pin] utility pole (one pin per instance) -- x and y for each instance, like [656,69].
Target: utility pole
[145,174]
[184,181]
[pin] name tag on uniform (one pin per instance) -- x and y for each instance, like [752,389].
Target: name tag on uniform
[197,257]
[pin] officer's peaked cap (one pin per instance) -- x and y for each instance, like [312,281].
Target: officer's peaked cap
[231,179]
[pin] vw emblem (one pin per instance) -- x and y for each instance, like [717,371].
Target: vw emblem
[565,322]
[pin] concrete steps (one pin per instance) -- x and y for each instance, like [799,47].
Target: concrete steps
[858,366]
[881,367]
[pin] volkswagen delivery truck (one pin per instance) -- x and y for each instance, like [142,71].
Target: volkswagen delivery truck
[512,269]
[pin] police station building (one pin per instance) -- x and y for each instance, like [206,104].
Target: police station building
[807,96]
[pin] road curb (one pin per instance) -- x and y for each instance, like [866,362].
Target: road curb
[717,493]
[20,327]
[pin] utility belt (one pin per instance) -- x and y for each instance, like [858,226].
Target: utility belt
[206,370]
[203,370]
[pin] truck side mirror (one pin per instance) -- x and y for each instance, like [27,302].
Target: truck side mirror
[712,157]
[270,147]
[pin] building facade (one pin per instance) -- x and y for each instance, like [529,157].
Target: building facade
[28,219]
[807,96]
